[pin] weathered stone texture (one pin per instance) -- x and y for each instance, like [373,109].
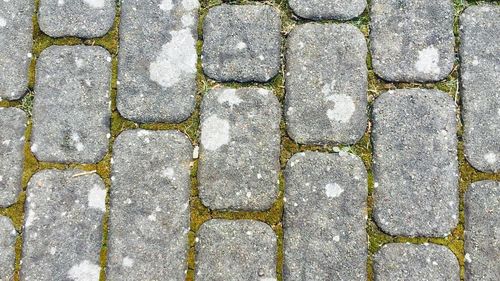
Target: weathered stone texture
[8,236]
[327,9]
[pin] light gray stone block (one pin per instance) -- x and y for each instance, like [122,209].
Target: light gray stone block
[235,250]
[325,217]
[415,163]
[327,9]
[239,151]
[62,232]
[16,35]
[71,110]
[149,221]
[8,236]
[480,78]
[326,84]
[157,60]
[12,127]
[80,18]
[412,40]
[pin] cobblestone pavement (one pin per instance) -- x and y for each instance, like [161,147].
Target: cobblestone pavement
[249,140]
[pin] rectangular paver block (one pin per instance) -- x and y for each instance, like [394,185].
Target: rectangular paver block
[149,216]
[12,128]
[235,250]
[71,111]
[326,84]
[157,60]
[327,9]
[415,163]
[482,231]
[80,18]
[8,236]
[412,40]
[411,262]
[63,226]
[239,151]
[325,217]
[480,77]
[241,43]
[16,35]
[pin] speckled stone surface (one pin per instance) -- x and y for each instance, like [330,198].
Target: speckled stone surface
[80,18]
[235,250]
[157,60]
[62,234]
[12,127]
[412,40]
[8,236]
[241,43]
[16,35]
[415,163]
[72,107]
[326,84]
[327,9]
[482,231]
[149,221]
[239,149]
[480,78]
[325,217]
[411,262]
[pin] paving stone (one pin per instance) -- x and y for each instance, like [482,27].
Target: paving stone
[235,250]
[157,60]
[12,126]
[239,151]
[241,43]
[149,218]
[71,111]
[415,163]
[81,18]
[482,231]
[325,217]
[63,226]
[327,9]
[412,40]
[411,262]
[8,236]
[480,72]
[326,83]
[16,35]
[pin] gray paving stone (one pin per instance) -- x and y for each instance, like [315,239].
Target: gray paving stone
[12,126]
[8,236]
[63,226]
[235,250]
[326,83]
[327,9]
[149,218]
[411,262]
[325,217]
[241,43]
[71,110]
[480,72]
[412,40]
[81,18]
[482,231]
[415,163]
[239,151]
[16,35]
[157,60]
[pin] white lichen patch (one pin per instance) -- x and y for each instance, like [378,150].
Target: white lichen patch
[96,4]
[166,5]
[229,96]
[168,173]
[3,22]
[187,20]
[428,60]
[333,190]
[97,198]
[177,58]
[127,262]
[189,5]
[491,158]
[84,271]
[468,258]
[30,218]
[214,133]
[241,45]
[343,108]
